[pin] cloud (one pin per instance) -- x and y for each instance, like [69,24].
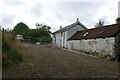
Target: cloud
[119,9]
[36,10]
[7,19]
[70,11]
[107,12]
[55,13]
[11,2]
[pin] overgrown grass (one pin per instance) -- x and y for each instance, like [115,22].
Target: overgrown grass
[10,50]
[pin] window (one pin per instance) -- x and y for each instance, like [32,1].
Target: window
[85,34]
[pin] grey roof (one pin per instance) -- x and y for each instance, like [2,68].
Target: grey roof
[70,26]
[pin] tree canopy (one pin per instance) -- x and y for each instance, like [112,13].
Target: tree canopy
[42,32]
[21,28]
[118,20]
[100,23]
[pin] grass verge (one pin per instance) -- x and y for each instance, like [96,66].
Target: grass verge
[11,50]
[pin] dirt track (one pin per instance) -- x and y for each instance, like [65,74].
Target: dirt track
[49,62]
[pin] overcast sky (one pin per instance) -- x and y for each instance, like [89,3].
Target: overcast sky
[56,13]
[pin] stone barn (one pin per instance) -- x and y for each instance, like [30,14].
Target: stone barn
[102,40]
[61,36]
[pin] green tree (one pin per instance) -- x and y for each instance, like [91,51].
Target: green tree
[100,23]
[43,32]
[43,27]
[21,28]
[118,20]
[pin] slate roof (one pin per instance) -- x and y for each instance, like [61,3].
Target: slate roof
[70,26]
[100,32]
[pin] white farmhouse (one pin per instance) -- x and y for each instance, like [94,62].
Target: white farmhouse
[102,40]
[61,36]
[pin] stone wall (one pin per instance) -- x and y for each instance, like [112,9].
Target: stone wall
[104,46]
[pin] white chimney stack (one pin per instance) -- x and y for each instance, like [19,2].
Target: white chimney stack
[60,27]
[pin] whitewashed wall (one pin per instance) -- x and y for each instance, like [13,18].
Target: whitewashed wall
[100,45]
[70,32]
[61,40]
[53,40]
[58,39]
[73,30]
[64,39]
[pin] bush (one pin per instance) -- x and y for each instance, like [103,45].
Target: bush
[10,49]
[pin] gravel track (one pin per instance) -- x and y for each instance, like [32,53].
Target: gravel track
[51,62]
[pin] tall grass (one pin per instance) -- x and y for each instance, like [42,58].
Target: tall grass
[10,50]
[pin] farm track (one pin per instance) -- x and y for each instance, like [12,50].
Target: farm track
[51,62]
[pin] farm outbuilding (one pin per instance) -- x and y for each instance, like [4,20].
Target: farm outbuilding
[102,40]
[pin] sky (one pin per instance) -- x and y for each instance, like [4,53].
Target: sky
[56,13]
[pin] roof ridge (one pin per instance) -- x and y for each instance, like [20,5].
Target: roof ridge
[101,32]
[105,26]
[71,25]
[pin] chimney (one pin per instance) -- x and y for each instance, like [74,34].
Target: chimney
[60,27]
[77,19]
